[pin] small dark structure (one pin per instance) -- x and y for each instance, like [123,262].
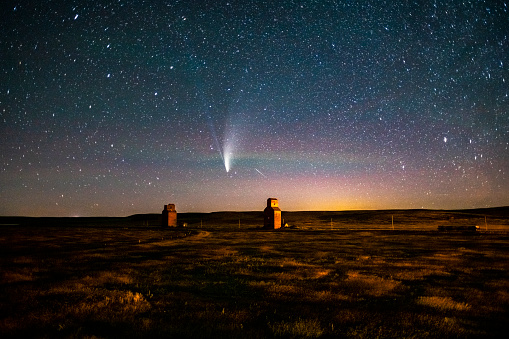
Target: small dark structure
[272,214]
[458,228]
[169,218]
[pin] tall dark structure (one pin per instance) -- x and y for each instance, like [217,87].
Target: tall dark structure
[169,218]
[272,214]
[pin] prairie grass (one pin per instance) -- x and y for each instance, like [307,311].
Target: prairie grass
[371,285]
[18,275]
[194,283]
[300,328]
[443,303]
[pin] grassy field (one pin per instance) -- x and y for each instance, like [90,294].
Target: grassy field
[85,278]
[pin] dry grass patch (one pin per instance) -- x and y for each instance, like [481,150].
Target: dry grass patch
[449,258]
[296,270]
[416,272]
[110,305]
[443,303]
[302,273]
[23,260]
[277,289]
[224,252]
[300,328]
[326,296]
[500,290]
[371,285]
[321,255]
[266,248]
[18,275]
[368,260]
[108,277]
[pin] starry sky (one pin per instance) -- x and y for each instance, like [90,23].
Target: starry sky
[111,108]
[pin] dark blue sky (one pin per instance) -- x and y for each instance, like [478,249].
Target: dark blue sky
[120,107]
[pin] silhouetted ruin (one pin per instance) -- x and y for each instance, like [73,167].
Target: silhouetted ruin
[169,218]
[272,214]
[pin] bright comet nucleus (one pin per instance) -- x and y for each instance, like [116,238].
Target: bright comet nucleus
[227,156]
[230,143]
[227,163]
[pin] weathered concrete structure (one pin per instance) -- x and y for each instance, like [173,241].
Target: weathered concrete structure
[169,218]
[272,214]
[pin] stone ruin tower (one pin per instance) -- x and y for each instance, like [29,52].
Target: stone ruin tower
[272,214]
[169,216]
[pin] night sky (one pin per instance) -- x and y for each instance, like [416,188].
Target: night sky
[111,108]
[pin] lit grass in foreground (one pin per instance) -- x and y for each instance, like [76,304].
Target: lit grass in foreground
[99,282]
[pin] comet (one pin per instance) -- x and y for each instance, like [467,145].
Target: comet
[227,154]
[230,144]
[226,160]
